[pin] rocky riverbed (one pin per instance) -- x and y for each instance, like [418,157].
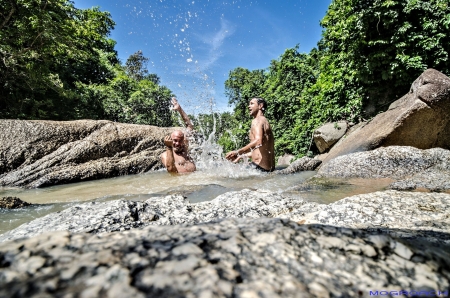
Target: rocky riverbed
[248,243]
[270,245]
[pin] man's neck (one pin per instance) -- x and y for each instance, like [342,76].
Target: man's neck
[260,113]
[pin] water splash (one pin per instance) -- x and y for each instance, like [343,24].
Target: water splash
[209,156]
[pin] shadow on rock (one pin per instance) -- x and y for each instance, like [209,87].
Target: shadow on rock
[225,258]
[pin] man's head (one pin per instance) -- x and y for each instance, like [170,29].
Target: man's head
[178,141]
[257,104]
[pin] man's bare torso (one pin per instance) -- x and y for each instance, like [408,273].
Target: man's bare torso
[264,156]
[183,162]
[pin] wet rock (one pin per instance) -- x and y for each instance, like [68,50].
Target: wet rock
[97,217]
[419,119]
[432,179]
[412,167]
[286,159]
[427,214]
[328,134]
[12,203]
[303,164]
[225,258]
[43,153]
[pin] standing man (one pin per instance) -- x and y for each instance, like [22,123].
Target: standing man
[176,158]
[261,147]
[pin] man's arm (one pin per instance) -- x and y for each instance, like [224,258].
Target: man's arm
[167,157]
[257,130]
[177,107]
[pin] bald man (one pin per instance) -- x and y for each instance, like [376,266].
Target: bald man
[176,158]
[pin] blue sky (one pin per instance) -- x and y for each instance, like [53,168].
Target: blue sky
[193,44]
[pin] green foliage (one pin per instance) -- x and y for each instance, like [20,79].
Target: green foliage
[386,44]
[126,100]
[57,62]
[46,47]
[287,77]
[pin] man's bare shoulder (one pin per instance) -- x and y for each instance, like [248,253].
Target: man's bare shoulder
[260,120]
[163,156]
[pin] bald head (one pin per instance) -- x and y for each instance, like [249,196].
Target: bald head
[177,133]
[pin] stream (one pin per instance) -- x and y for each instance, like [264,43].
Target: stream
[203,185]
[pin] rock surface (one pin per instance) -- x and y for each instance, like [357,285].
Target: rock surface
[328,134]
[373,242]
[412,167]
[420,119]
[388,209]
[425,213]
[119,215]
[43,153]
[227,258]
[303,164]
[12,203]
[286,159]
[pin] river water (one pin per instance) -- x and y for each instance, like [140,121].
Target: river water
[210,181]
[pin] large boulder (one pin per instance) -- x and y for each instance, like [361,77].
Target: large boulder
[420,119]
[43,153]
[328,134]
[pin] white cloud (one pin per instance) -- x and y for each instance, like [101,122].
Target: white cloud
[215,42]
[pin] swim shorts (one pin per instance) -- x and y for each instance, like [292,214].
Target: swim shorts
[254,165]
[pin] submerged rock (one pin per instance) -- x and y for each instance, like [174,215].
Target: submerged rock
[12,203]
[420,119]
[44,153]
[303,164]
[226,258]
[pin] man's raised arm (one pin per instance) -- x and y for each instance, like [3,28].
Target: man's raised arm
[177,107]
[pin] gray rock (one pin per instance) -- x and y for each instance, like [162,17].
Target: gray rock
[12,203]
[286,159]
[419,119]
[412,167]
[328,134]
[97,217]
[427,214]
[432,179]
[43,153]
[395,162]
[303,164]
[231,257]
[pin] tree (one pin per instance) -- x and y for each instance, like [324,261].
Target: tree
[287,78]
[46,48]
[378,48]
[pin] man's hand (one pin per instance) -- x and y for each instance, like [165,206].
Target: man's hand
[232,155]
[176,105]
[168,142]
[238,158]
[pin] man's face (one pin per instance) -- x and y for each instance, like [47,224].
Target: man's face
[253,107]
[178,142]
